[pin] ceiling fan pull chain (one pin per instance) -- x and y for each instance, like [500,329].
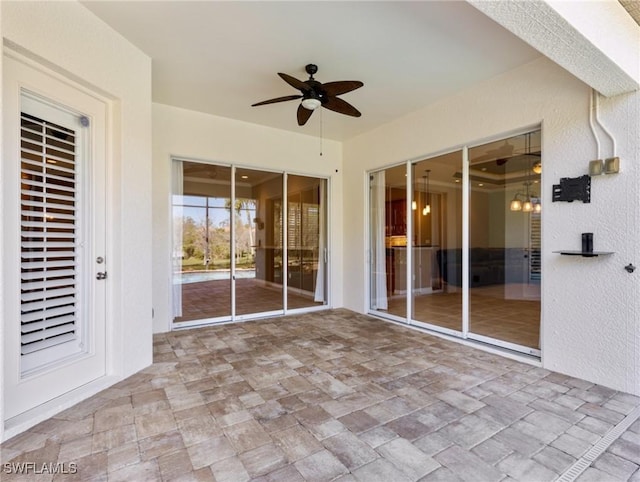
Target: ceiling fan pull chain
[321,132]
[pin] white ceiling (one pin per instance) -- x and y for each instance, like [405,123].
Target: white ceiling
[221,57]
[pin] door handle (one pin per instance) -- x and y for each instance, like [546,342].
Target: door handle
[101,275]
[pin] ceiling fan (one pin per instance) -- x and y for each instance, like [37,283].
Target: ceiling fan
[315,94]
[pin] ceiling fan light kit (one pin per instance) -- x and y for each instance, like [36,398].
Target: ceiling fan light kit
[311,104]
[315,94]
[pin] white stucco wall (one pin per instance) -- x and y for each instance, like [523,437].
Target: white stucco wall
[66,37]
[590,306]
[193,135]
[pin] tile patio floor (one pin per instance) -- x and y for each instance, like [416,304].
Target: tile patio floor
[333,396]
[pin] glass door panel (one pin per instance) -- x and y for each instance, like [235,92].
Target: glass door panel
[258,250]
[388,241]
[437,247]
[306,242]
[504,241]
[202,241]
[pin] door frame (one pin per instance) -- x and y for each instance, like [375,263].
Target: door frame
[465,333]
[233,318]
[56,91]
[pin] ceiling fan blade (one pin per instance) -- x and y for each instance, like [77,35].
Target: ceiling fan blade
[303,115]
[341,87]
[295,83]
[342,107]
[277,99]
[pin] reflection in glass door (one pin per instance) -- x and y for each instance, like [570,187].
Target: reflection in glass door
[504,242]
[201,241]
[437,247]
[307,253]
[258,287]
[230,240]
[466,237]
[388,241]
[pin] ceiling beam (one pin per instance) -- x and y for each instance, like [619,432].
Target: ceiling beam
[598,42]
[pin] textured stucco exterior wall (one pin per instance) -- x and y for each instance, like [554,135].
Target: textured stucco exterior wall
[193,135]
[598,42]
[590,306]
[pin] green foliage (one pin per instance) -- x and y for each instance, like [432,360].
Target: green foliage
[202,243]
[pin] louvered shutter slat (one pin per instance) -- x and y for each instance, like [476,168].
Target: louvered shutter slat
[48,323]
[49,342]
[44,245]
[52,303]
[51,332]
[48,205]
[41,234]
[50,254]
[51,293]
[52,273]
[40,214]
[48,314]
[43,285]
[29,265]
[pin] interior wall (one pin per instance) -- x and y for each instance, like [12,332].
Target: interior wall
[478,219]
[67,38]
[498,207]
[590,306]
[193,135]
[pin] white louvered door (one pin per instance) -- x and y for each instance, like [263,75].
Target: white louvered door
[54,199]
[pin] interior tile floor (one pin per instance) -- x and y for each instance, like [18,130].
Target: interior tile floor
[333,395]
[491,313]
[212,299]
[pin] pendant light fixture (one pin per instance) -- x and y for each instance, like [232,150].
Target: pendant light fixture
[523,201]
[516,204]
[527,205]
[414,204]
[427,207]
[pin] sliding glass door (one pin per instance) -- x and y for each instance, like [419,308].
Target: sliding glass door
[307,253]
[462,230]
[257,287]
[239,251]
[201,241]
[388,241]
[437,248]
[504,242]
